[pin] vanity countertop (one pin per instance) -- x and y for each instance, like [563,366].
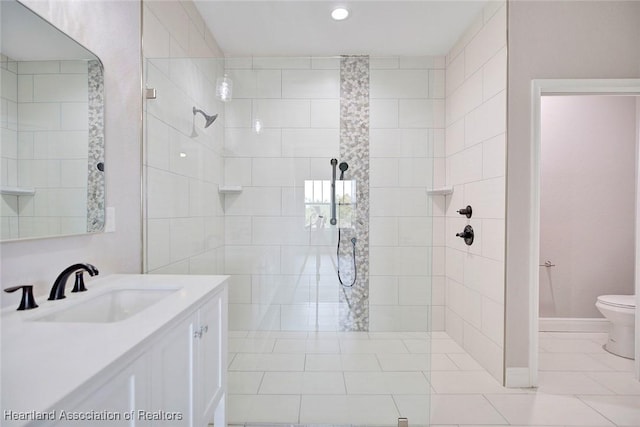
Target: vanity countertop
[42,362]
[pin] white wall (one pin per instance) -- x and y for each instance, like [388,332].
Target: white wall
[111,30]
[183,161]
[475,167]
[587,206]
[592,39]
[406,144]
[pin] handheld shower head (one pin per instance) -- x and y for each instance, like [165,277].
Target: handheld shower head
[343,167]
[209,119]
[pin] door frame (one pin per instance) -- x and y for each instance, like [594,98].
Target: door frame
[539,88]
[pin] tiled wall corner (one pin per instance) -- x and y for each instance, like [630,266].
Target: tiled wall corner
[475,167]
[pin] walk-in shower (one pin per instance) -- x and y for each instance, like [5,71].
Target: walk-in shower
[311,304]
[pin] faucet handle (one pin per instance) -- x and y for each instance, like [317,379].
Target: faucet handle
[28,301]
[78,285]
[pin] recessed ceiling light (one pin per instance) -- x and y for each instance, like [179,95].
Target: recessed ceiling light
[339,13]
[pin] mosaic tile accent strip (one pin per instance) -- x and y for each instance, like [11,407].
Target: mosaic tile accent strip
[95,177]
[354,149]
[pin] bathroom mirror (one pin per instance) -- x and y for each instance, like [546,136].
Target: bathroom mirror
[52,121]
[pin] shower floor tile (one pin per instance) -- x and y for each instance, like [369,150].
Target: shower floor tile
[371,379]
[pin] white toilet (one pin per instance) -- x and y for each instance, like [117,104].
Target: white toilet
[620,310]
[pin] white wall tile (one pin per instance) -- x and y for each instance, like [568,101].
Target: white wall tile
[485,276]
[237,114]
[455,137]
[60,88]
[383,172]
[383,290]
[25,88]
[399,84]
[486,121]
[383,231]
[293,63]
[465,302]
[465,166]
[254,201]
[159,247]
[237,171]
[316,84]
[39,116]
[74,116]
[310,143]
[486,43]
[399,142]
[384,63]
[325,113]
[494,74]
[487,198]
[237,230]
[9,82]
[282,113]
[246,143]
[415,172]
[383,113]
[282,172]
[252,259]
[414,231]
[436,84]
[325,63]
[493,242]
[493,320]
[256,83]
[293,201]
[419,62]
[414,290]
[399,261]
[279,231]
[494,157]
[414,113]
[398,202]
[454,75]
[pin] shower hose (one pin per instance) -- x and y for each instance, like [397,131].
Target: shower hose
[355,267]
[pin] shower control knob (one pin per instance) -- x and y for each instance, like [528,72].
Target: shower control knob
[467,235]
[466,211]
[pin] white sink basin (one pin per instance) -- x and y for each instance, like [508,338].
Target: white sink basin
[112,306]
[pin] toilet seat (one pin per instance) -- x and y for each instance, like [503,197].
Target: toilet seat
[621,301]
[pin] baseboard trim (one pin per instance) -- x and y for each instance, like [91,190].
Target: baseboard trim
[518,378]
[568,324]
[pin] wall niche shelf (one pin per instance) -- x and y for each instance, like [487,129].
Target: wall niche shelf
[229,189]
[17,191]
[440,191]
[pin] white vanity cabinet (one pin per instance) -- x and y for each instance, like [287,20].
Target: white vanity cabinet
[188,367]
[113,402]
[172,375]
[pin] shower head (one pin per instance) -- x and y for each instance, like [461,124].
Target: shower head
[343,167]
[209,119]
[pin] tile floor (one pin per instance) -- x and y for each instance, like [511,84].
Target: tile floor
[374,378]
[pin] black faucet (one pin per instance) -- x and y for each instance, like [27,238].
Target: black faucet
[57,291]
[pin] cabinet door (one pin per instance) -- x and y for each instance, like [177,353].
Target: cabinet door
[114,403]
[211,357]
[172,379]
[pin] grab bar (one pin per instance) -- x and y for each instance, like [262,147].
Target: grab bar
[334,163]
